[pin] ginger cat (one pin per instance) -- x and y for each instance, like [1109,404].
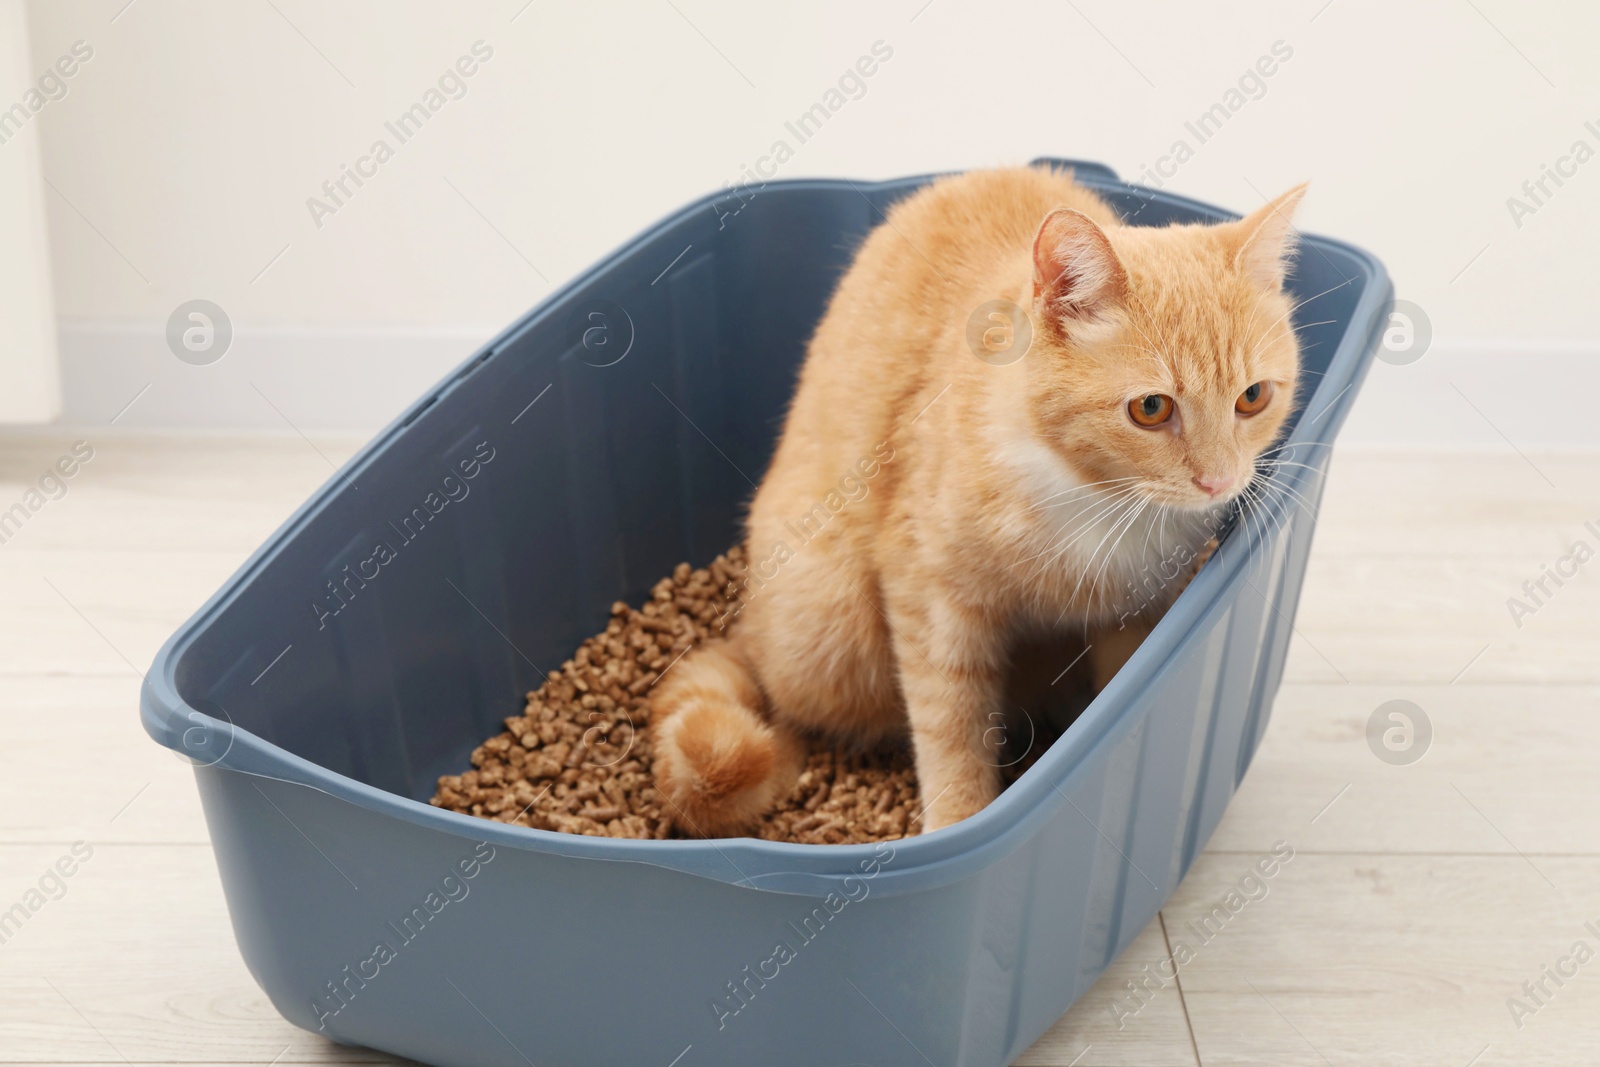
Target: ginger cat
[927,508]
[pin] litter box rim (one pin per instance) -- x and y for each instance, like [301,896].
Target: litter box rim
[919,863]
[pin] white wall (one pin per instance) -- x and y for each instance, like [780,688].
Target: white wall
[194,137]
[29,390]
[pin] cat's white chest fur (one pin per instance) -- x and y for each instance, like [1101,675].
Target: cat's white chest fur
[1101,550]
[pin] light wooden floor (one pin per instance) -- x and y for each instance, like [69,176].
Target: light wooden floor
[1419,898]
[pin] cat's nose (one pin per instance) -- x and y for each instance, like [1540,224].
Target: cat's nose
[1214,484]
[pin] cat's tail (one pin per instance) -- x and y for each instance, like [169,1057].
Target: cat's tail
[719,764]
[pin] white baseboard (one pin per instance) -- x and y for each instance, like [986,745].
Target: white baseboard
[1463,393]
[1492,393]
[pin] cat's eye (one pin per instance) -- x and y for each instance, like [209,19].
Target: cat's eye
[1253,399]
[1150,410]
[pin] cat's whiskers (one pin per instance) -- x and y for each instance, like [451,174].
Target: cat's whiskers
[1085,564]
[1056,548]
[1111,552]
[1292,309]
[1248,503]
[1256,503]
[1149,528]
[1272,465]
[1273,457]
[1276,462]
[1077,521]
[1046,503]
[1270,519]
[1071,535]
[1285,446]
[1123,522]
[1106,576]
[1292,328]
[1302,303]
[1266,339]
[1291,493]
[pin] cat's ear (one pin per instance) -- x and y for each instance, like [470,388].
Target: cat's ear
[1267,240]
[1076,274]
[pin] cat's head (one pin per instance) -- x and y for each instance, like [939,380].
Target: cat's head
[1164,356]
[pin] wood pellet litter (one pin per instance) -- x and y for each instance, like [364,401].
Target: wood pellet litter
[578,759]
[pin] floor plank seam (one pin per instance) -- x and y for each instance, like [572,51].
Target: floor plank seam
[1161,917]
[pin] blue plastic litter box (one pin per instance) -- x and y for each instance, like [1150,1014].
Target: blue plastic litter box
[396,619]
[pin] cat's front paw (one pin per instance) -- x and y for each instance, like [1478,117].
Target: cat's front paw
[951,806]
